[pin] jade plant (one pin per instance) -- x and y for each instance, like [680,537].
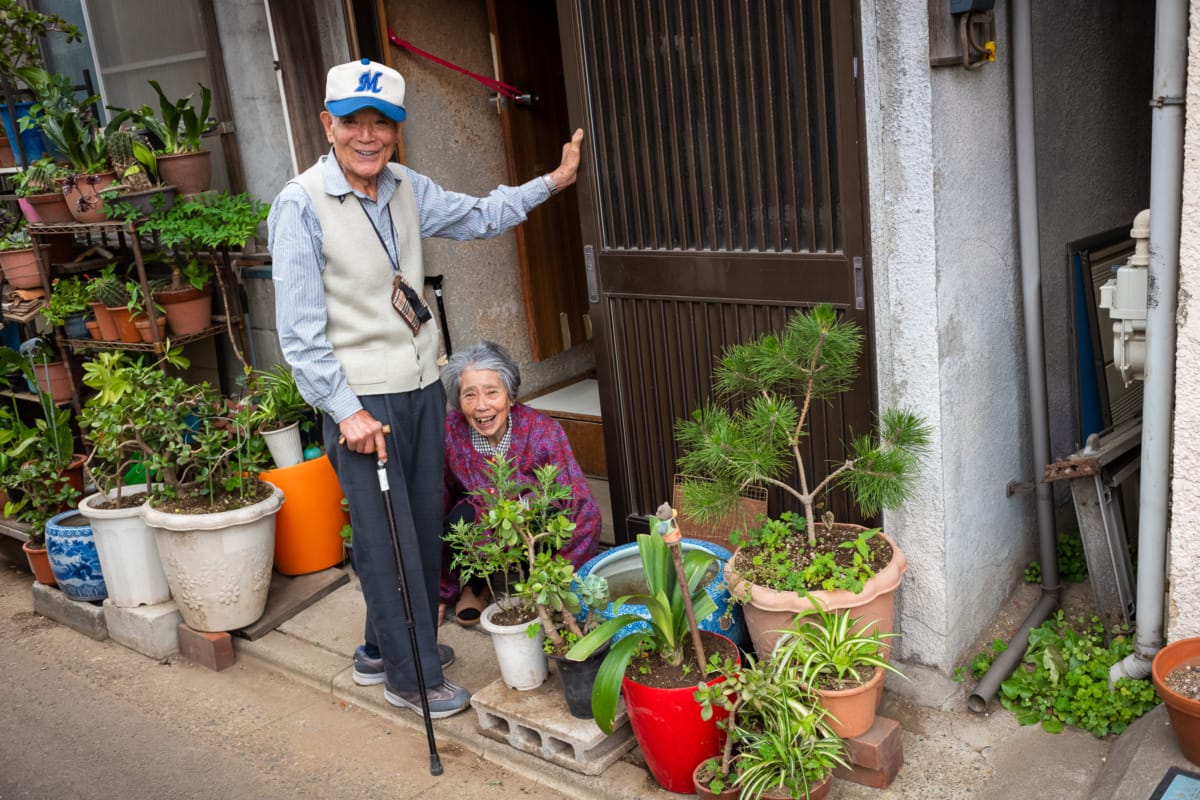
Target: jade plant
[521,526]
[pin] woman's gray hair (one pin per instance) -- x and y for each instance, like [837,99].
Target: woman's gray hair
[485,355]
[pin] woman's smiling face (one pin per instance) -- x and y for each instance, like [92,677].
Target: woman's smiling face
[484,401]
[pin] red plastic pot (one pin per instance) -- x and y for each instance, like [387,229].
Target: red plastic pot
[668,728]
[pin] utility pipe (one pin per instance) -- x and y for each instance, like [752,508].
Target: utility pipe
[1031,291]
[1166,186]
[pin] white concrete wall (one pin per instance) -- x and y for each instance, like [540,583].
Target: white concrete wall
[948,323]
[1183,552]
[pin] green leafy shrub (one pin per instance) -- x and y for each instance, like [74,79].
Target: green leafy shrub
[1063,680]
[1072,563]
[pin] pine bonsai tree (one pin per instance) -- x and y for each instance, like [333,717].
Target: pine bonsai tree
[759,443]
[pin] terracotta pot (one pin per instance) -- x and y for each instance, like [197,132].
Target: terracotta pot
[189,173]
[7,157]
[53,379]
[852,711]
[818,792]
[668,728]
[48,209]
[93,329]
[308,526]
[187,310]
[769,611]
[126,329]
[1184,712]
[20,268]
[105,322]
[705,793]
[84,200]
[142,324]
[39,563]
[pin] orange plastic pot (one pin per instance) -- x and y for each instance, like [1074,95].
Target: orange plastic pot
[308,526]
[1183,711]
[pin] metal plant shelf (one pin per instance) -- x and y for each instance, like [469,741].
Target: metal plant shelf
[109,226]
[151,347]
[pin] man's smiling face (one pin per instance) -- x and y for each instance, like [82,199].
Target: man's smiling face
[362,143]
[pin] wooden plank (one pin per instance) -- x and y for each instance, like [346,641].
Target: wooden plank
[14,529]
[291,594]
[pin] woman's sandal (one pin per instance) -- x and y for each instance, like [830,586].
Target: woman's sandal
[470,605]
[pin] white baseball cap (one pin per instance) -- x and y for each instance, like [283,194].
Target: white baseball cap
[364,84]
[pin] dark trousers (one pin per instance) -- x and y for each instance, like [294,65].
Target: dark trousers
[415,450]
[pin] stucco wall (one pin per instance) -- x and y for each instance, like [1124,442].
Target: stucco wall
[948,323]
[1183,559]
[1092,66]
[453,135]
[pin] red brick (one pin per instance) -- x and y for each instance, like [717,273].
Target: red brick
[876,756]
[212,650]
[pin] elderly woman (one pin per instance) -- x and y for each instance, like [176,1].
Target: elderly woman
[484,420]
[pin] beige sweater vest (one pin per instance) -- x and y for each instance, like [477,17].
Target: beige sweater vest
[377,350]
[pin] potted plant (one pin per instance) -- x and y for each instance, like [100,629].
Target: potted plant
[1176,675]
[133,411]
[68,304]
[137,192]
[41,200]
[790,754]
[50,376]
[279,413]
[759,443]
[18,261]
[521,526]
[212,518]
[38,464]
[109,300]
[189,230]
[21,32]
[657,668]
[843,664]
[179,126]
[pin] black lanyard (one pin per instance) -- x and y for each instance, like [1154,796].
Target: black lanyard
[393,260]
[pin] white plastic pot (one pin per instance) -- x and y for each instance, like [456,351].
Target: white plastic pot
[522,660]
[128,552]
[285,445]
[218,565]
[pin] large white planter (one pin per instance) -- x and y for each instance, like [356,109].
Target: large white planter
[128,552]
[522,660]
[285,446]
[218,565]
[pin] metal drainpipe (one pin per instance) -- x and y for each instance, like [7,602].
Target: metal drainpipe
[1166,186]
[1031,289]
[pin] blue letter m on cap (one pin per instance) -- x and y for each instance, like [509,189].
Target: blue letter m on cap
[369,82]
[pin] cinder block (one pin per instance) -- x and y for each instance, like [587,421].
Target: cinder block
[212,650]
[538,722]
[87,618]
[876,756]
[150,630]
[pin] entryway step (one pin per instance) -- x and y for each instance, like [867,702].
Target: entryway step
[538,722]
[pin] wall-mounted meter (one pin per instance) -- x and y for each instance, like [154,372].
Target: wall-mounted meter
[1125,295]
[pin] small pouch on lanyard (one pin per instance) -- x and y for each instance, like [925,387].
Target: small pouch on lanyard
[408,304]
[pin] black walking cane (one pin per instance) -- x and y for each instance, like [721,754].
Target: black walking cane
[435,762]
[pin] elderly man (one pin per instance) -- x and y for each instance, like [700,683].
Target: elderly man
[345,240]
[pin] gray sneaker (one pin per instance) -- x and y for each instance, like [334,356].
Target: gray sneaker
[444,701]
[369,671]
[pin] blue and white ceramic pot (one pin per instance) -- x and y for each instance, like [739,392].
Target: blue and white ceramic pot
[73,557]
[622,568]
